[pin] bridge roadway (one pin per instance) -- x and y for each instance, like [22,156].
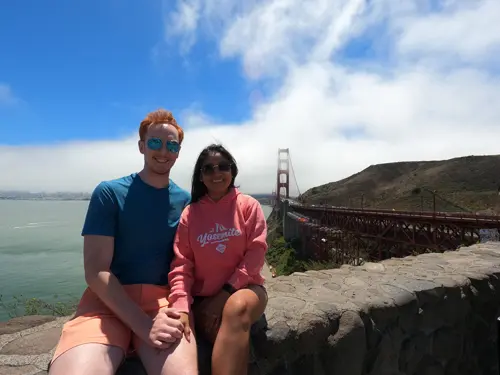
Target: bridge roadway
[382,233]
[460,219]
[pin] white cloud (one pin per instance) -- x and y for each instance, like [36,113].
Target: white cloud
[466,30]
[183,21]
[435,95]
[7,97]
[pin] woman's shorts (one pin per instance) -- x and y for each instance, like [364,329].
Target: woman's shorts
[259,325]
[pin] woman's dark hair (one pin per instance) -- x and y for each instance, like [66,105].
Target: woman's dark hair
[198,188]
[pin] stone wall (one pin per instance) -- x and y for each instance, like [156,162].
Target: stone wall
[428,315]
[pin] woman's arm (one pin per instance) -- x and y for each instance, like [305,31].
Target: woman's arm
[181,275]
[254,258]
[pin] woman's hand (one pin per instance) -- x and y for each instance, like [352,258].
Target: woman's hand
[187,329]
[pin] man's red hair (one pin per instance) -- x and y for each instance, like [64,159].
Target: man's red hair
[160,116]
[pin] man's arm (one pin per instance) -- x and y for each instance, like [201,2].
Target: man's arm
[98,247]
[97,256]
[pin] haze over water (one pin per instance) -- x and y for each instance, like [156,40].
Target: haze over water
[41,249]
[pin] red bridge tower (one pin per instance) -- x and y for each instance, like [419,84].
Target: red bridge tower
[283,170]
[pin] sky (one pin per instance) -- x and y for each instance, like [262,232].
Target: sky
[343,84]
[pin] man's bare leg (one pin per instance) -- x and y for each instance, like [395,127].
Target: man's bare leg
[180,359]
[88,359]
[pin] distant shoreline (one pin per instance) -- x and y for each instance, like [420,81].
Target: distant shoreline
[263,201]
[44,199]
[23,195]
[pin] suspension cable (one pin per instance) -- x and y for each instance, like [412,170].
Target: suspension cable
[293,172]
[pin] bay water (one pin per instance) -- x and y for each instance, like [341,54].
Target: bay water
[41,250]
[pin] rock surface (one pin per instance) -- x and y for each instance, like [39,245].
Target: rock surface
[434,314]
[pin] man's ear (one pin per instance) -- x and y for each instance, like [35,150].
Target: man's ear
[140,144]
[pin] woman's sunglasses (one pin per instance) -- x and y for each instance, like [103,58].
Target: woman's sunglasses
[156,144]
[210,168]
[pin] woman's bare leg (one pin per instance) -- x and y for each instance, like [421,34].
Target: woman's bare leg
[88,359]
[232,345]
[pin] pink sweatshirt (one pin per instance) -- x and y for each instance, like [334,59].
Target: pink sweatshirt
[217,243]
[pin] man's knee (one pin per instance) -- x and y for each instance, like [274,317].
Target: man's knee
[179,359]
[185,366]
[88,359]
[191,370]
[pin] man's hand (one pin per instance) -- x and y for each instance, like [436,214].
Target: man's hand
[187,330]
[166,329]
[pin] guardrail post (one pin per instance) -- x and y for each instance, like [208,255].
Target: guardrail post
[286,219]
[434,202]
[498,345]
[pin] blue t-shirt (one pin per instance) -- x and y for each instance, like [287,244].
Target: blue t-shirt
[143,221]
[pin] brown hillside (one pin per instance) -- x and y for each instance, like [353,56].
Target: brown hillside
[462,184]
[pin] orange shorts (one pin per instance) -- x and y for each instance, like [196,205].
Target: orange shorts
[94,322]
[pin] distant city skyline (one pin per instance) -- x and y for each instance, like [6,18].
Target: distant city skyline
[62,195]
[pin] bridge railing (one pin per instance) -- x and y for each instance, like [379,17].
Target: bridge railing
[402,214]
[357,241]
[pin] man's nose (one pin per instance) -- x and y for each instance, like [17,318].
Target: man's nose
[163,151]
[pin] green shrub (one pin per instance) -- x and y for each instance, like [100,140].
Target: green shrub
[21,306]
[283,257]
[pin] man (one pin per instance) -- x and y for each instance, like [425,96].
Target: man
[128,246]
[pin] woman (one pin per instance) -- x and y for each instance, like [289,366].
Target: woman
[219,250]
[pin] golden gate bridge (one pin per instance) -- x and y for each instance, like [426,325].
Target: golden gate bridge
[351,235]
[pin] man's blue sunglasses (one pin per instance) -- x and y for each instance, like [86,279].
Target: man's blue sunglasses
[156,144]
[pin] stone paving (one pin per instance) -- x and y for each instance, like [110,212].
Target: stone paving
[27,344]
[430,314]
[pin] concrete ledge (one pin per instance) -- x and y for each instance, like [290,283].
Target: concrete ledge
[430,314]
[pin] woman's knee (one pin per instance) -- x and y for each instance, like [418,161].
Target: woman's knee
[237,312]
[244,308]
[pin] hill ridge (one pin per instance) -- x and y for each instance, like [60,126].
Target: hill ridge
[468,183]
